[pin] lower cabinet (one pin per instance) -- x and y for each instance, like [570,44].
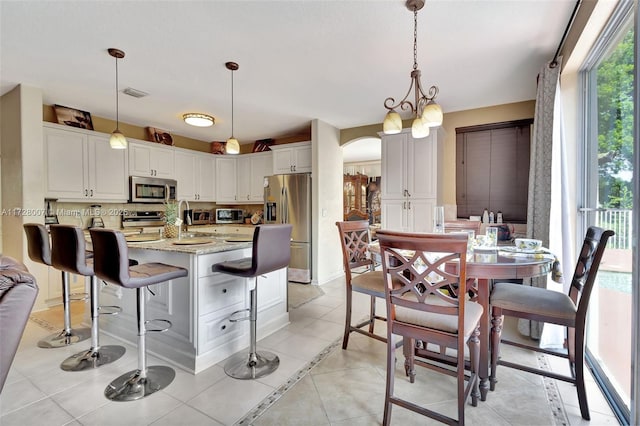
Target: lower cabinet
[408,215]
[199,307]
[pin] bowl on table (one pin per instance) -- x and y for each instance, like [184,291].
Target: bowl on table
[528,244]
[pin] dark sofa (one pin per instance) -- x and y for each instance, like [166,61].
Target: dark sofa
[18,291]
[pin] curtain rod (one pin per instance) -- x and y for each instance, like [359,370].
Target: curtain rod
[554,63]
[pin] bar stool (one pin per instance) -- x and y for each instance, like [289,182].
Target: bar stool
[111,264]
[39,250]
[69,254]
[271,251]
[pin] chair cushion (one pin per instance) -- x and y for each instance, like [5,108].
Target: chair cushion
[370,282]
[153,273]
[534,300]
[442,322]
[239,267]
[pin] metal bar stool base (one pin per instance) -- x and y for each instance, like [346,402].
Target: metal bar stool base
[62,339]
[90,359]
[251,366]
[132,386]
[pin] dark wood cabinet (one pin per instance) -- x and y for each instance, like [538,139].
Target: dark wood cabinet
[355,196]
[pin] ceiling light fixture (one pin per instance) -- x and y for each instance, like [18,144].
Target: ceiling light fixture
[232,147]
[427,113]
[198,120]
[117,139]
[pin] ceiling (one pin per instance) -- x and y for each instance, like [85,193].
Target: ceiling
[299,60]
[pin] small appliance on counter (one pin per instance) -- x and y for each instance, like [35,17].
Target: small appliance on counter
[50,218]
[200,216]
[229,216]
[96,219]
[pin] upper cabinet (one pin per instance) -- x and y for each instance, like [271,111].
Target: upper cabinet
[410,186]
[195,173]
[80,165]
[240,179]
[252,168]
[225,181]
[292,158]
[410,166]
[151,159]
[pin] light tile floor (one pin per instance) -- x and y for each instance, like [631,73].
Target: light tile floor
[346,388]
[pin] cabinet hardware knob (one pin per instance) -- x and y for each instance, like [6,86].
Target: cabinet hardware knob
[86,193]
[409,205]
[223,327]
[91,193]
[224,290]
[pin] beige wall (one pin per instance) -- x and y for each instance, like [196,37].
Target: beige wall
[22,176]
[327,201]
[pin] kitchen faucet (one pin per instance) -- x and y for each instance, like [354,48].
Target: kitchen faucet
[187,221]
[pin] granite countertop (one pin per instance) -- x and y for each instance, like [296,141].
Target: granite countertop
[219,243]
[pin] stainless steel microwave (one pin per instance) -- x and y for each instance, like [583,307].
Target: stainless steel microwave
[151,190]
[229,216]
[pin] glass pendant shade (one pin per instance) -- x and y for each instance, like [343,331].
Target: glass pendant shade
[392,123]
[419,129]
[117,140]
[233,147]
[432,115]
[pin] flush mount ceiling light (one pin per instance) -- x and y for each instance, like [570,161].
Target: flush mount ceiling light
[117,139]
[426,112]
[232,147]
[198,120]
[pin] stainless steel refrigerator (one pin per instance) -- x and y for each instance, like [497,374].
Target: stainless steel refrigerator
[287,199]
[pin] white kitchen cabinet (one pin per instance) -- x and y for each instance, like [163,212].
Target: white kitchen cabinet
[194,172]
[292,158]
[410,187]
[225,181]
[252,168]
[80,165]
[151,159]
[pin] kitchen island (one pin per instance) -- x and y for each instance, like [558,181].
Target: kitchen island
[199,305]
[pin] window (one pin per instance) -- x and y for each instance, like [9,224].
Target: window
[492,169]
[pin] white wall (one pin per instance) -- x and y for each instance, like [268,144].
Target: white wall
[327,201]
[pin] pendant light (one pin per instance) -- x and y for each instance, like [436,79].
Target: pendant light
[427,113]
[232,147]
[117,139]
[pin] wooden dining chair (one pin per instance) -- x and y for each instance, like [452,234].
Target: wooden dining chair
[540,304]
[417,271]
[360,276]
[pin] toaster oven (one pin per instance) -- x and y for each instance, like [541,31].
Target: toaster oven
[229,216]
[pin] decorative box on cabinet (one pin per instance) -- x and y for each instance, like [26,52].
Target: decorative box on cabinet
[80,165]
[410,180]
[150,159]
[292,158]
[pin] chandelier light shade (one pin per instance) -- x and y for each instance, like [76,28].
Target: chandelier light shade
[117,139]
[198,119]
[425,111]
[232,146]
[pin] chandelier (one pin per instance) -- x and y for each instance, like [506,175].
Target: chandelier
[426,112]
[232,146]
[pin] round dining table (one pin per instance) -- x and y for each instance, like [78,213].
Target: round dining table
[486,266]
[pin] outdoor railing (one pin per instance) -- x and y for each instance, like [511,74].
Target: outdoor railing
[620,222]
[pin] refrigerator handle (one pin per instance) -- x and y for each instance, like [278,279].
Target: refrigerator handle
[281,212]
[285,206]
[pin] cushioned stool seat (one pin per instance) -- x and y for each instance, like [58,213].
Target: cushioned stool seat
[111,263]
[271,251]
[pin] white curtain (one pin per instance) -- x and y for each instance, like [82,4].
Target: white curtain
[548,190]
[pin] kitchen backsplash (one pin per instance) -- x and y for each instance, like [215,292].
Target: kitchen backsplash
[80,214]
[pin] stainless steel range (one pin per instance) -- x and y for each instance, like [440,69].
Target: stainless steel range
[139,219]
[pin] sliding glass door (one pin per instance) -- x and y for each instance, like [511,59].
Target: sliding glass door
[607,201]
